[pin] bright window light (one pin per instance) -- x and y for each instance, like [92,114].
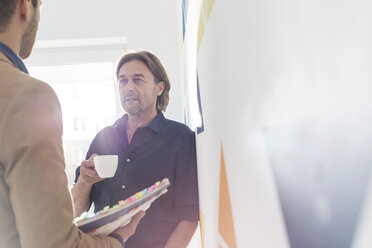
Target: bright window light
[89,102]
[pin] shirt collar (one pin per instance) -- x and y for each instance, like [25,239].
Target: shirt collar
[14,58]
[154,125]
[157,122]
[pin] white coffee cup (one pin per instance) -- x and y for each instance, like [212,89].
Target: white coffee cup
[106,165]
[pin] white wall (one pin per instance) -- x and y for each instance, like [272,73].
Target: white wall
[268,64]
[147,24]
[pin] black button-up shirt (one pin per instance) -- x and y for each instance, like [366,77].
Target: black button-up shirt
[163,149]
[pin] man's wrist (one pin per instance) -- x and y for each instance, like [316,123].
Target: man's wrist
[118,237]
[85,183]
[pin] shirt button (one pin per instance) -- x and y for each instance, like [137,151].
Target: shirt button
[128,160]
[123,186]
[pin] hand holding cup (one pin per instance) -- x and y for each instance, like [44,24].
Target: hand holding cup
[97,168]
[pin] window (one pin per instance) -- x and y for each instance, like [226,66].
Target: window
[81,73]
[89,102]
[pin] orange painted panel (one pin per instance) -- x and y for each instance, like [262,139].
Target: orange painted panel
[225,221]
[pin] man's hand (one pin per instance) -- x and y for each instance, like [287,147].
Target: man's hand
[87,172]
[128,230]
[81,189]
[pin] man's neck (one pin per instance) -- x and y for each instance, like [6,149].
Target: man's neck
[11,40]
[136,121]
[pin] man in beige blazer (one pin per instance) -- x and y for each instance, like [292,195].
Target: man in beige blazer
[35,204]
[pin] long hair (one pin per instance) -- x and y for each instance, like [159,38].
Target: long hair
[157,69]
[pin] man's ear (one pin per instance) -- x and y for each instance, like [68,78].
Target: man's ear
[25,9]
[160,85]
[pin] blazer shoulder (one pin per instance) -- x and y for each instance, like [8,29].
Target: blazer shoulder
[14,82]
[30,87]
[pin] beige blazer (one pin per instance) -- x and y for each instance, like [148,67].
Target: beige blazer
[36,210]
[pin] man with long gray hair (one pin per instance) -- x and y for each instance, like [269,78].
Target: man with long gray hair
[150,148]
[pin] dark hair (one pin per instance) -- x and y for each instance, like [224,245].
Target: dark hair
[157,69]
[7,9]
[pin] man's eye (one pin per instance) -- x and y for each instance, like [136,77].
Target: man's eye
[138,80]
[123,81]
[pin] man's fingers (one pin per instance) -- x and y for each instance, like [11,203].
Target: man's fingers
[136,219]
[130,229]
[88,164]
[90,173]
[92,156]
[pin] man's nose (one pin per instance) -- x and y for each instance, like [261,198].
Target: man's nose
[129,85]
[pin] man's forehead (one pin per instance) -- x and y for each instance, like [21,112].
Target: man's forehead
[134,68]
[121,75]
